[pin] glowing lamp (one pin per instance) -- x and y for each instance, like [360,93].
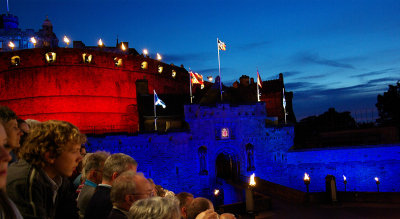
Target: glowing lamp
[377,182]
[145,52]
[159,57]
[252,181]
[11,45]
[345,182]
[33,40]
[100,43]
[66,40]
[216,192]
[210,78]
[123,47]
[306,180]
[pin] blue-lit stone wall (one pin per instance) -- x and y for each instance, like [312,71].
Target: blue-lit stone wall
[172,159]
[360,165]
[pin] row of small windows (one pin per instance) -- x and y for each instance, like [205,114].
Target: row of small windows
[87,58]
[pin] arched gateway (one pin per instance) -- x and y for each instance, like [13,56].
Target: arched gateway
[227,167]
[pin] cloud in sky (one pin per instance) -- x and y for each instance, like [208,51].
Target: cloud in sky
[312,77]
[291,73]
[308,58]
[390,80]
[251,46]
[298,86]
[185,57]
[373,73]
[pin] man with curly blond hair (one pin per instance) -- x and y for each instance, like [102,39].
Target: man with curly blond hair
[37,182]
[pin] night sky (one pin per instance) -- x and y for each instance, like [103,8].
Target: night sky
[332,53]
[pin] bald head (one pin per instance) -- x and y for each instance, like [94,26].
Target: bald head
[197,206]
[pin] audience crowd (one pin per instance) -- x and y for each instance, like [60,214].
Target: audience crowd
[46,173]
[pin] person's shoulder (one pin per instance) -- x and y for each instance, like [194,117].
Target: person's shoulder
[116,214]
[19,170]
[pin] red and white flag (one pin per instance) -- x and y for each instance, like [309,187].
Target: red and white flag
[259,81]
[196,78]
[221,45]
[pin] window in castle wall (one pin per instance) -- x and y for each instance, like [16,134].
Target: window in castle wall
[173,74]
[225,133]
[250,157]
[117,62]
[87,58]
[160,69]
[144,65]
[202,158]
[15,60]
[50,57]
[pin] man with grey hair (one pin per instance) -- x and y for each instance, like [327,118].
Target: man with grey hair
[155,207]
[93,164]
[128,188]
[100,204]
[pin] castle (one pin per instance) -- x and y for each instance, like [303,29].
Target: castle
[108,93]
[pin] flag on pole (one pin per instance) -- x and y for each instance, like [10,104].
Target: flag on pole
[259,81]
[196,78]
[221,45]
[158,101]
[284,99]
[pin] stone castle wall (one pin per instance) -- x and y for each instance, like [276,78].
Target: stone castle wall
[173,160]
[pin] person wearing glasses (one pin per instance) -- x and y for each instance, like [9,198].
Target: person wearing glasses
[128,188]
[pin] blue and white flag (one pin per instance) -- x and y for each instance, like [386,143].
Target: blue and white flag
[158,101]
[284,99]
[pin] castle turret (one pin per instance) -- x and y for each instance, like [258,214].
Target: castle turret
[46,36]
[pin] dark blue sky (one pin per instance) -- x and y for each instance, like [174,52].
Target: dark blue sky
[333,53]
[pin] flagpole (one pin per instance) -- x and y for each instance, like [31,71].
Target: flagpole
[190,84]
[219,70]
[258,89]
[155,110]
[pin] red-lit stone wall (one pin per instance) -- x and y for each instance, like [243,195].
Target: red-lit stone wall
[97,96]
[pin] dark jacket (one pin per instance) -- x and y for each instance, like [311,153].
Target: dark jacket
[100,204]
[30,189]
[117,214]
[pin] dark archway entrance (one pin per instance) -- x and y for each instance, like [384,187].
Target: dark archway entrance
[228,167]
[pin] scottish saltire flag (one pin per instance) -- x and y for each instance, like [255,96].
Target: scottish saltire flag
[158,101]
[259,82]
[221,45]
[284,99]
